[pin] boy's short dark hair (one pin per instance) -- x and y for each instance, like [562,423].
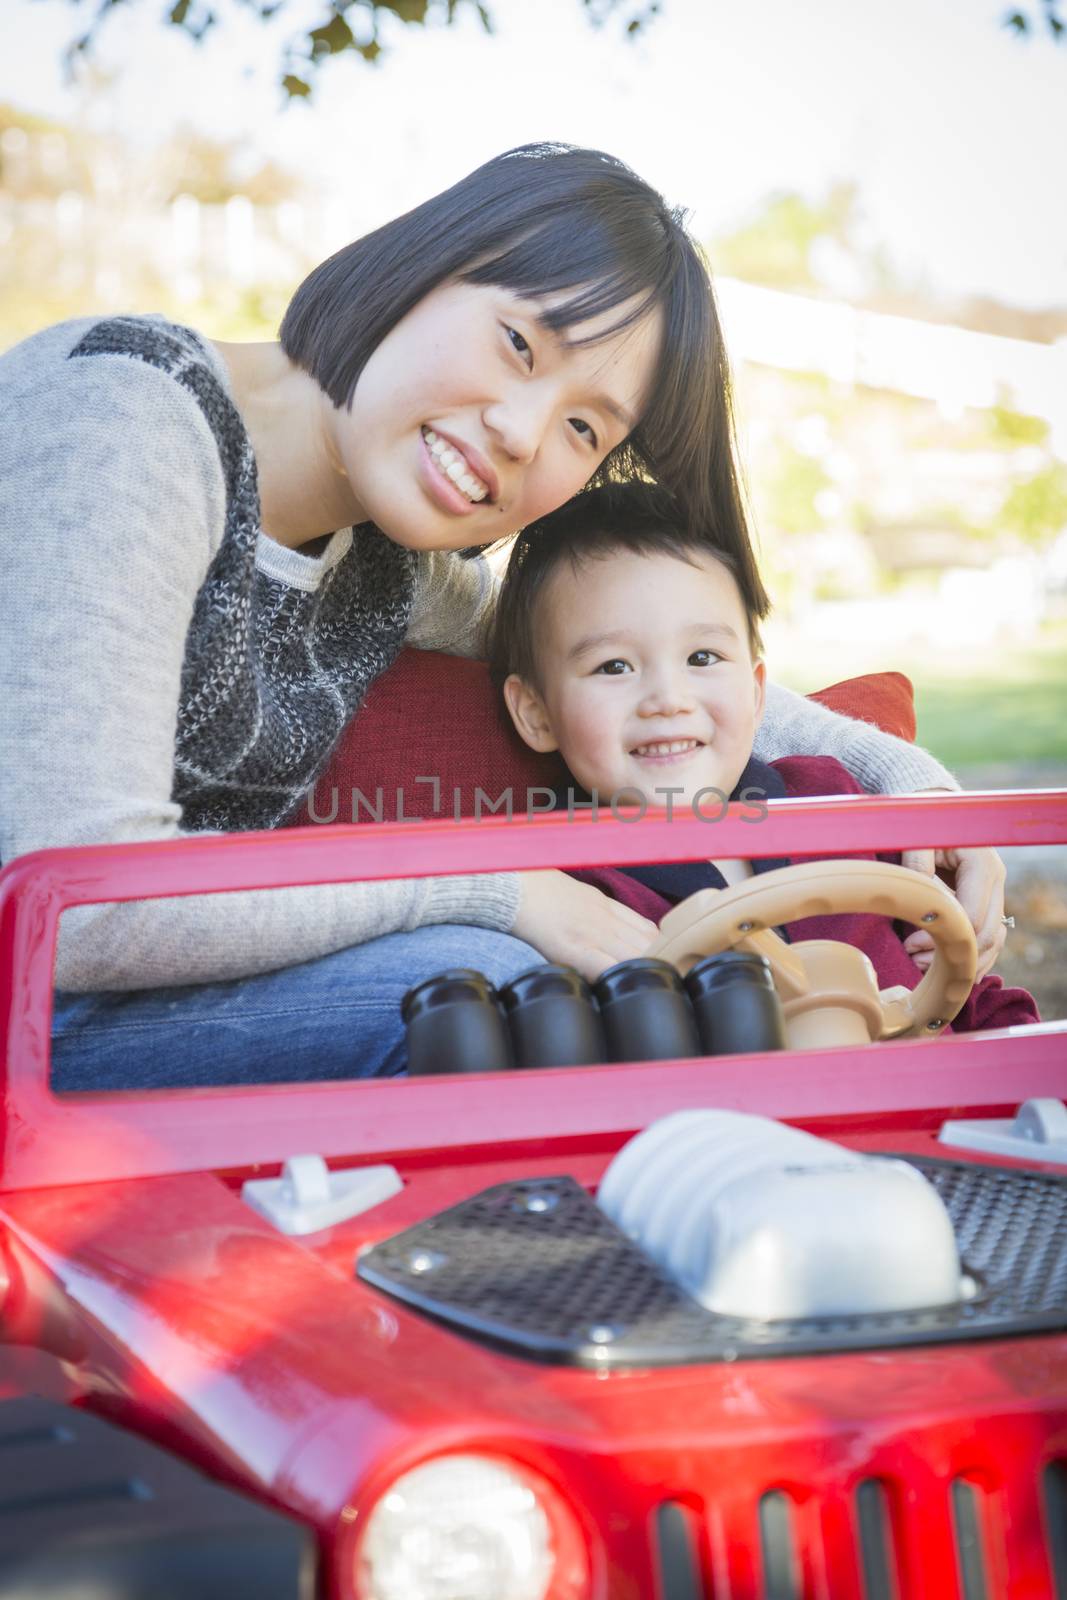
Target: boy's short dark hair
[637,517]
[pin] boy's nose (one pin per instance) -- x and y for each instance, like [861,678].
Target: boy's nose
[667,696]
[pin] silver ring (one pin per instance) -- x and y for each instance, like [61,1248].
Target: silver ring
[1009,922]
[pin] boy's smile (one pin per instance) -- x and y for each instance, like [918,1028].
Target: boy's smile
[646,676]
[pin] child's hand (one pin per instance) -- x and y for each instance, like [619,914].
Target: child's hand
[977,877]
[578,926]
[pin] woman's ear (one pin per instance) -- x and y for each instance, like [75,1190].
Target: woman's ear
[529,714]
[759,687]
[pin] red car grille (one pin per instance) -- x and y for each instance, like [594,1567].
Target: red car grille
[878,1546]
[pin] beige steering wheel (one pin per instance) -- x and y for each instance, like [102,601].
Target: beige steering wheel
[828,990]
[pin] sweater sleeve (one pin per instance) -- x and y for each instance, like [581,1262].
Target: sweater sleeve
[111,508]
[883,764]
[991,1005]
[453,605]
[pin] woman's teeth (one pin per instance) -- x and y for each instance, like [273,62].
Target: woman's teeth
[453,465]
[667,747]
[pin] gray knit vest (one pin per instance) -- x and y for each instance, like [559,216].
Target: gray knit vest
[271,674]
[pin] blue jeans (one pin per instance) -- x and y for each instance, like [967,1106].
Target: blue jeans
[338,1017]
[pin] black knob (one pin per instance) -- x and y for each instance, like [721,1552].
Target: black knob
[735,1003]
[646,1012]
[553,1019]
[455,1024]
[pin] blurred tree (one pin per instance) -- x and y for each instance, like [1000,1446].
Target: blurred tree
[28,121]
[776,246]
[1037,16]
[42,158]
[213,172]
[1011,428]
[346,25]
[358,24]
[1035,509]
[792,493]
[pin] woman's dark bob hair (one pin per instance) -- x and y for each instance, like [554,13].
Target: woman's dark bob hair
[540,221]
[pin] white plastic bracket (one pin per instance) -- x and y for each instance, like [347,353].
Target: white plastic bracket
[1037,1132]
[308,1196]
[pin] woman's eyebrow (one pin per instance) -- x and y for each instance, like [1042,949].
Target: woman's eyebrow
[614,409]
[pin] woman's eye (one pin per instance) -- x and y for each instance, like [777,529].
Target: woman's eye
[520,346]
[613,668]
[703,658]
[583,430]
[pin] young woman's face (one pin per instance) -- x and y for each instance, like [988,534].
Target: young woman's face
[471,419]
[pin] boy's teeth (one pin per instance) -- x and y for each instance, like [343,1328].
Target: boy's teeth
[667,747]
[454,466]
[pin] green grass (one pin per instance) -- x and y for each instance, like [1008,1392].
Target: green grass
[988,719]
[1001,705]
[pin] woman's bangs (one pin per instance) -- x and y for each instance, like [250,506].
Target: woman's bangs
[604,273]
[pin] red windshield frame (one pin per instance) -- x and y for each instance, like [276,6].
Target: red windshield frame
[47,1139]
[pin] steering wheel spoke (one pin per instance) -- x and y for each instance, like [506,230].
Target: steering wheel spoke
[897,1013]
[790,976]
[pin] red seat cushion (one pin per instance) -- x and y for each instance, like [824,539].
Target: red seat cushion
[434,716]
[885,698]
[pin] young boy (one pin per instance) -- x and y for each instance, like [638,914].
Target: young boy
[628,646]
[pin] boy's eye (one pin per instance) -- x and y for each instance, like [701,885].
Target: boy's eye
[703,658]
[613,668]
[519,345]
[582,428]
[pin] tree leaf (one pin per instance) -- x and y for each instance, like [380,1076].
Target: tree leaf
[295,87]
[407,10]
[331,38]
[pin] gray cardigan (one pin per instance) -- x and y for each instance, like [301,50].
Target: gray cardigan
[165,668]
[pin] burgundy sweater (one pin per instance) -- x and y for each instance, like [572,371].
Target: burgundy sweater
[990,1005]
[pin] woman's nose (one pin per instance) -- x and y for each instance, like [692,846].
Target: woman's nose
[518,422]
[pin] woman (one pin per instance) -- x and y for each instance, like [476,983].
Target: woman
[212,550]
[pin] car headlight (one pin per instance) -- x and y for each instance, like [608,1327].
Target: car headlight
[468,1527]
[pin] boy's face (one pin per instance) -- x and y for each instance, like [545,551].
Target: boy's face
[647,677]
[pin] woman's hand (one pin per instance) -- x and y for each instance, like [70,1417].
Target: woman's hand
[977,877]
[576,925]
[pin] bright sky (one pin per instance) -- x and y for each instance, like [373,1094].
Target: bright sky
[953,129]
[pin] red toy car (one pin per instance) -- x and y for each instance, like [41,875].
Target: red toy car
[479,1389]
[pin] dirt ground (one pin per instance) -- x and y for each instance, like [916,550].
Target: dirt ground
[1035,955]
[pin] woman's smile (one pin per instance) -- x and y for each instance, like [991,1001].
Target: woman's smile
[452,462]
